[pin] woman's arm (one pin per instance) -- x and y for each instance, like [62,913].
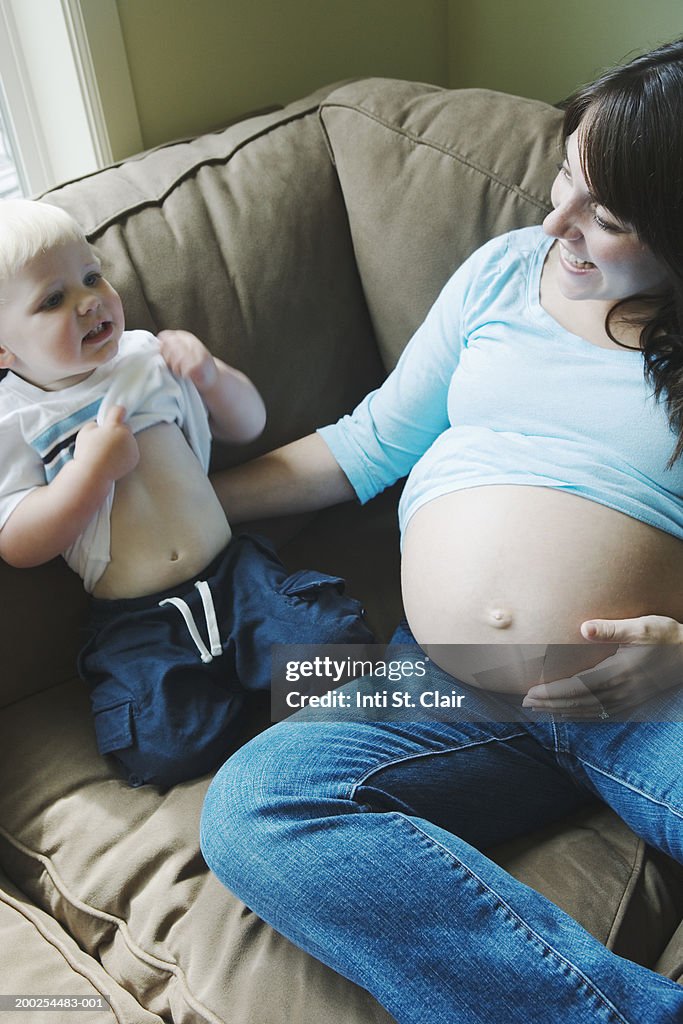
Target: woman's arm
[378,443]
[299,477]
[392,428]
[382,439]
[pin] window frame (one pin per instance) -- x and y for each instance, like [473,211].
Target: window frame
[57,119]
[31,157]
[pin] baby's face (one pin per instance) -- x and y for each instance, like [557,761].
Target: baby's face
[59,318]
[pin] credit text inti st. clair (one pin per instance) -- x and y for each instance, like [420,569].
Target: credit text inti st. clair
[394,671]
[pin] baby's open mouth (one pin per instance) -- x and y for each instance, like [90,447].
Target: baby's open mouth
[97,331]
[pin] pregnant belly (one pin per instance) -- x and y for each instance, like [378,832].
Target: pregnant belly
[497,581]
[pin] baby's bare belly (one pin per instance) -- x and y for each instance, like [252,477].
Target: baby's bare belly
[497,581]
[166,523]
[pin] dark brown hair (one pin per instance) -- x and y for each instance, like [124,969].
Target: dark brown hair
[630,123]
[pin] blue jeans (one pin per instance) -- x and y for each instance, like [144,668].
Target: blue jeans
[361,842]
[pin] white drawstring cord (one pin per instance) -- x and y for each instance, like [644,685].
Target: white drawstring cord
[210,617]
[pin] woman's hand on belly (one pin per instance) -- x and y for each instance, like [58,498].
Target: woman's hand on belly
[648,660]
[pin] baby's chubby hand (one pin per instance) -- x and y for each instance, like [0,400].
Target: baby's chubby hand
[108,449]
[186,356]
[236,410]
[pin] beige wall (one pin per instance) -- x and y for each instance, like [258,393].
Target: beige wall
[545,48]
[194,64]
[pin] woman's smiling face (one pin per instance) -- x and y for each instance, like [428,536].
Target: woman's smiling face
[598,256]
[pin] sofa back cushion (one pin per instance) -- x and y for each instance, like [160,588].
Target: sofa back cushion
[428,176]
[240,236]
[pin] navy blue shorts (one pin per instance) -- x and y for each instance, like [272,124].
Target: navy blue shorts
[169,673]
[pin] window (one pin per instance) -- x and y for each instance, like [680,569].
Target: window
[22,142]
[58,120]
[11,185]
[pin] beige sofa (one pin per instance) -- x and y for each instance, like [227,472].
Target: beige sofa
[304,245]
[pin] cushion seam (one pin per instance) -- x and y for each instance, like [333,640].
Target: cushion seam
[170,967]
[440,147]
[31,915]
[35,693]
[632,882]
[144,201]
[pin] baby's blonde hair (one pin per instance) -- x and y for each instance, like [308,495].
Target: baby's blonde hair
[29,227]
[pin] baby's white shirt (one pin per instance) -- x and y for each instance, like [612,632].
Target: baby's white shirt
[38,432]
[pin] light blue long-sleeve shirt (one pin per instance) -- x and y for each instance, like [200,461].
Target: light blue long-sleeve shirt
[492,390]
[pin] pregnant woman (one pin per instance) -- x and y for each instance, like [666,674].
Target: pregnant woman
[539,414]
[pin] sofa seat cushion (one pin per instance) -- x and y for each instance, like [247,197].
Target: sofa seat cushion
[428,175]
[38,959]
[670,962]
[121,872]
[622,891]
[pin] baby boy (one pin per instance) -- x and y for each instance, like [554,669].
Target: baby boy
[105,437]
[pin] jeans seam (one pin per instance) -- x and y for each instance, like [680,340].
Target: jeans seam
[426,753]
[524,924]
[560,747]
[629,785]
